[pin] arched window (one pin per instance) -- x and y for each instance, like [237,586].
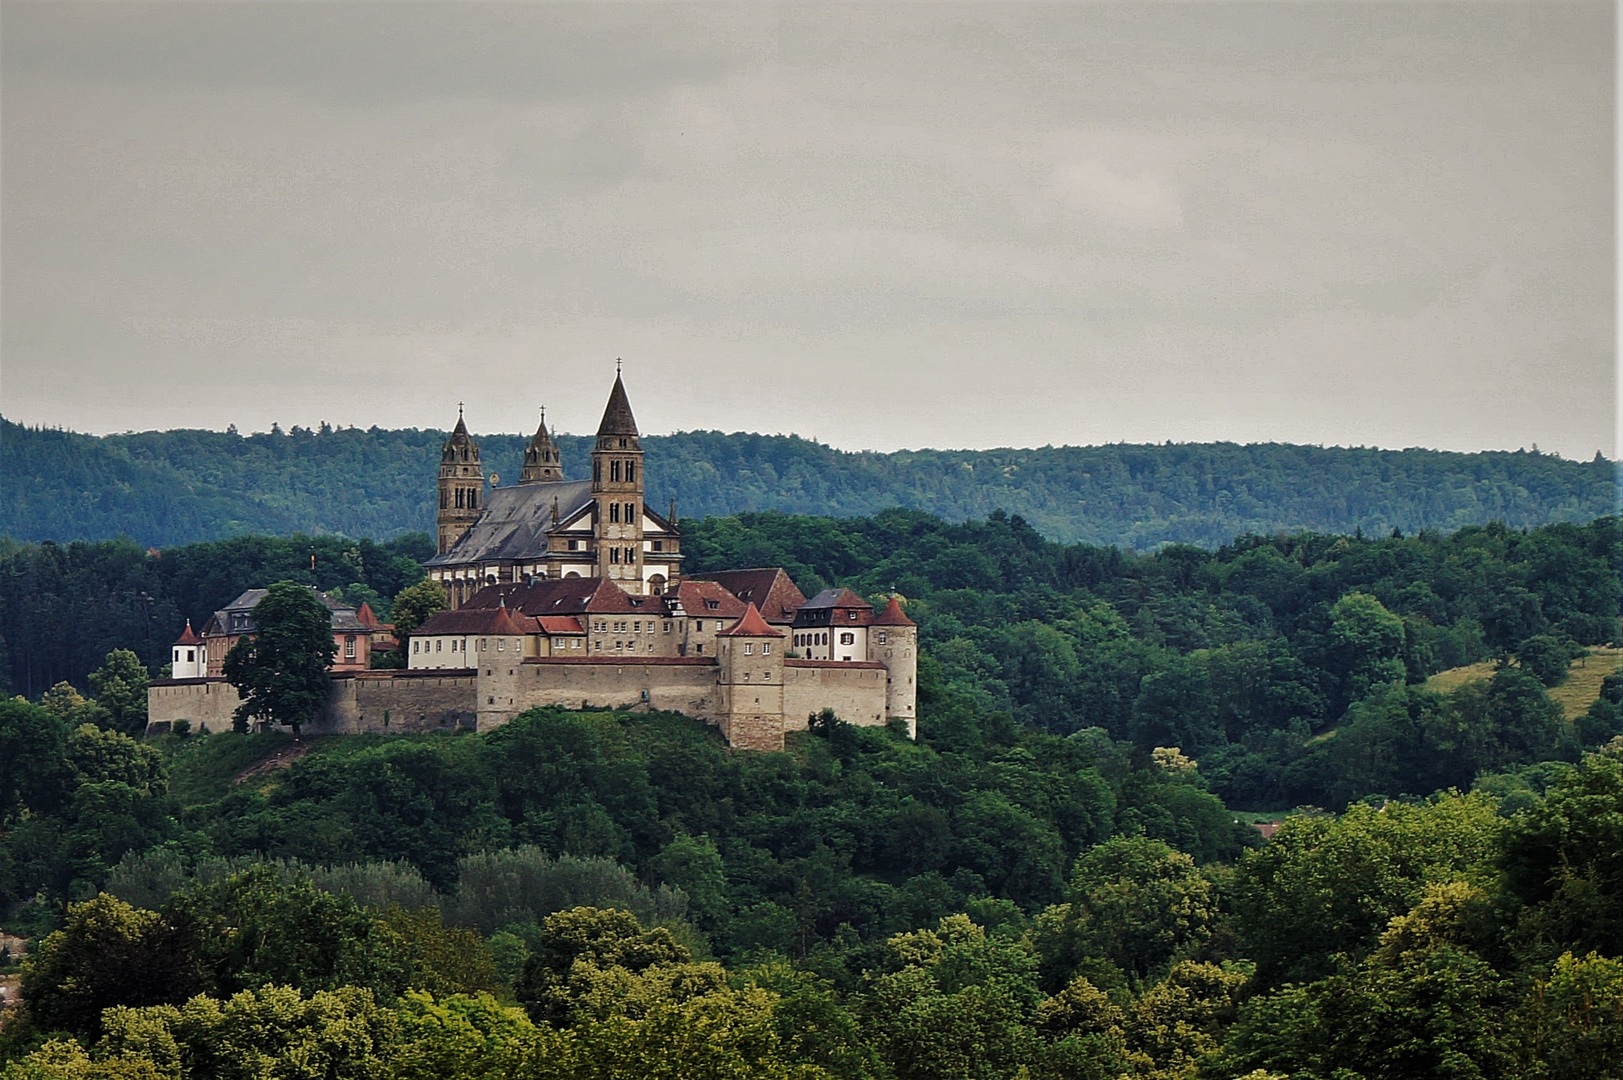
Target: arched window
[614,471]
[631,472]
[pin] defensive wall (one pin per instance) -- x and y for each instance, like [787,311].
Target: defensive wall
[448,699]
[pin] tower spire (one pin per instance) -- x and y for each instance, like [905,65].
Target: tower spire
[461,484]
[542,461]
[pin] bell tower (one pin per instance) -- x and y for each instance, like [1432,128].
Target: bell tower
[462,485]
[542,462]
[617,493]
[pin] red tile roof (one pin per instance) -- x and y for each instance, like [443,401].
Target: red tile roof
[768,588]
[188,637]
[697,596]
[751,625]
[497,620]
[559,624]
[892,615]
[565,596]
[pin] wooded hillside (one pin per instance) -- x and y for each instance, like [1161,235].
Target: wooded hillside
[177,487]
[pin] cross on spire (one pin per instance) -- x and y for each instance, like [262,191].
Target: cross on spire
[459,410]
[617,363]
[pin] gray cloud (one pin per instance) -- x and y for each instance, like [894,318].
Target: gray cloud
[949,225]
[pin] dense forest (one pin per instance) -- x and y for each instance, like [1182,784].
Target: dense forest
[606,895]
[1292,668]
[1058,879]
[177,487]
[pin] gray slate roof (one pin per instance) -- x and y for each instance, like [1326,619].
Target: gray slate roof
[515,522]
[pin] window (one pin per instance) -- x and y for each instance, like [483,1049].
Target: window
[636,627]
[712,605]
[614,513]
[749,648]
[698,625]
[881,637]
[746,676]
[852,615]
[191,654]
[575,643]
[414,644]
[614,471]
[631,513]
[659,545]
[766,648]
[481,644]
[439,643]
[620,627]
[848,639]
[631,556]
[631,471]
[698,650]
[667,628]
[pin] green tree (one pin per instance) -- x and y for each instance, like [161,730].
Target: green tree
[73,708]
[415,604]
[281,671]
[1562,863]
[575,946]
[109,953]
[1134,902]
[1325,886]
[1366,642]
[120,685]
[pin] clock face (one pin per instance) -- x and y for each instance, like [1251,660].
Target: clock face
[494,479]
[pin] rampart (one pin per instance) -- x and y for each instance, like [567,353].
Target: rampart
[442,699]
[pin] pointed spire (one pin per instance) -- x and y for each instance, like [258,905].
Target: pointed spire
[617,418]
[189,637]
[459,440]
[543,462]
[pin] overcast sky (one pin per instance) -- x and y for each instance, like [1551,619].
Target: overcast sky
[881,225]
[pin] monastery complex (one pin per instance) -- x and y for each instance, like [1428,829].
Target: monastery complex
[571,592]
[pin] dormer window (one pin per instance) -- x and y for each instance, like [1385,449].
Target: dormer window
[712,604]
[853,615]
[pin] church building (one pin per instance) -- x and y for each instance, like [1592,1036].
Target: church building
[571,593]
[548,528]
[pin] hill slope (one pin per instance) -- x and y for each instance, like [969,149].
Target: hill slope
[173,487]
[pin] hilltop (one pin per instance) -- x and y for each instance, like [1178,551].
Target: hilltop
[176,487]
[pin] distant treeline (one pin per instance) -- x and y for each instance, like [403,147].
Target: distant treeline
[176,487]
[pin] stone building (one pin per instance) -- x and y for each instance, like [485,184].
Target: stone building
[548,527]
[570,593]
[352,633]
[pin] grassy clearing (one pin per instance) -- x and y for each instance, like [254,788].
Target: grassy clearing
[1582,685]
[1575,695]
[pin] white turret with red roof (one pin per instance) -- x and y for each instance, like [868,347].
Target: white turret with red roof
[188,657]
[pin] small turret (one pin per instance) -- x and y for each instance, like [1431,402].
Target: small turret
[461,486]
[893,640]
[542,462]
[750,653]
[188,656]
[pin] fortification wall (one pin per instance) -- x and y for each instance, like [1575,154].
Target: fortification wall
[855,691]
[197,701]
[399,702]
[675,684]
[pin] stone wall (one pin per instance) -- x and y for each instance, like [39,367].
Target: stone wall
[674,684]
[197,701]
[399,702]
[855,691]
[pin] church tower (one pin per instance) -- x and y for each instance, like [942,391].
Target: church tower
[542,462]
[462,485]
[617,494]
